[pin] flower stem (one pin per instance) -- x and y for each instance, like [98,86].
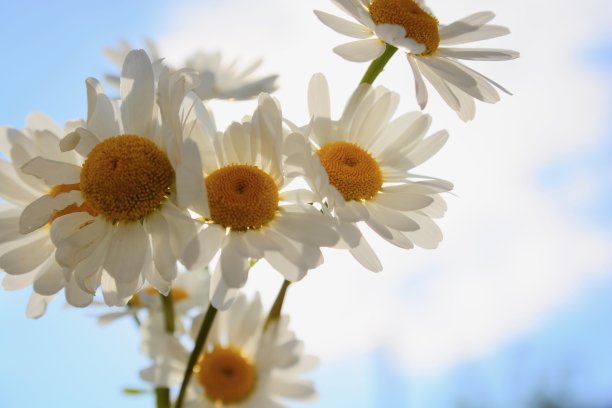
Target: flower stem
[162,394]
[275,311]
[209,318]
[376,67]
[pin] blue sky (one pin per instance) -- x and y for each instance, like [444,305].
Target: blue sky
[66,360]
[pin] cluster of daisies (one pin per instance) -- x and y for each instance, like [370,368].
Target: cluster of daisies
[147,203]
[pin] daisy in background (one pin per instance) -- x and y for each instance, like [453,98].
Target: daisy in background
[246,209]
[410,26]
[29,260]
[243,363]
[189,292]
[218,79]
[132,231]
[359,168]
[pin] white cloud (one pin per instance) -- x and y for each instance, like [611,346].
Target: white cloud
[511,253]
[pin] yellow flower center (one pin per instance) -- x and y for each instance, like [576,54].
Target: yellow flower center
[226,375]
[241,197]
[421,26]
[126,178]
[176,294]
[72,208]
[352,170]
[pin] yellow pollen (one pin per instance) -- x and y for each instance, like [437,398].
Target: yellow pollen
[352,170]
[226,375]
[135,301]
[241,197]
[72,208]
[421,26]
[126,178]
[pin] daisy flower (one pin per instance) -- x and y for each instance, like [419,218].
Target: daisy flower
[247,211]
[410,26]
[360,166]
[219,79]
[187,293]
[242,365]
[129,228]
[29,260]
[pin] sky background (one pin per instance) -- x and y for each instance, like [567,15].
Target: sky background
[516,300]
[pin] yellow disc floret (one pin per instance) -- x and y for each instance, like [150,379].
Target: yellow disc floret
[241,197]
[125,178]
[226,375]
[420,25]
[352,170]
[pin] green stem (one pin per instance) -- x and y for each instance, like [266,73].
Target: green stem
[209,318]
[376,67]
[162,396]
[275,311]
[168,308]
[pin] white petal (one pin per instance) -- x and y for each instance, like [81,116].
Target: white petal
[396,35]
[233,266]
[221,296]
[126,252]
[292,389]
[392,218]
[137,93]
[52,172]
[353,211]
[366,256]
[51,279]
[164,261]
[76,236]
[37,305]
[343,26]
[25,258]
[478,54]
[39,212]
[77,297]
[467,24]
[313,229]
[101,115]
[361,50]
[428,147]
[200,251]
[40,121]
[419,84]
[447,94]
[81,140]
[318,97]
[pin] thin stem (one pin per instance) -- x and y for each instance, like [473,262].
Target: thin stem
[209,318]
[162,396]
[376,67]
[168,308]
[277,307]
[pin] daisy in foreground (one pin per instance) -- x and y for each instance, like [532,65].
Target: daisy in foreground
[362,164]
[29,260]
[244,364]
[218,79]
[246,210]
[125,228]
[386,25]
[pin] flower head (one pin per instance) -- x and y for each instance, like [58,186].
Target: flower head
[410,26]
[359,169]
[116,222]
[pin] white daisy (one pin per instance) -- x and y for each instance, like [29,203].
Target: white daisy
[189,291]
[130,179]
[411,26]
[219,79]
[248,213]
[361,169]
[29,260]
[242,364]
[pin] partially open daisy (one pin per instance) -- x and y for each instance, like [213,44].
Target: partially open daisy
[189,291]
[246,210]
[242,364]
[128,228]
[411,26]
[360,169]
[219,79]
[29,260]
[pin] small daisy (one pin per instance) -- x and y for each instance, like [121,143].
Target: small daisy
[29,260]
[247,212]
[411,26]
[242,364]
[189,291]
[218,79]
[359,168]
[131,230]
